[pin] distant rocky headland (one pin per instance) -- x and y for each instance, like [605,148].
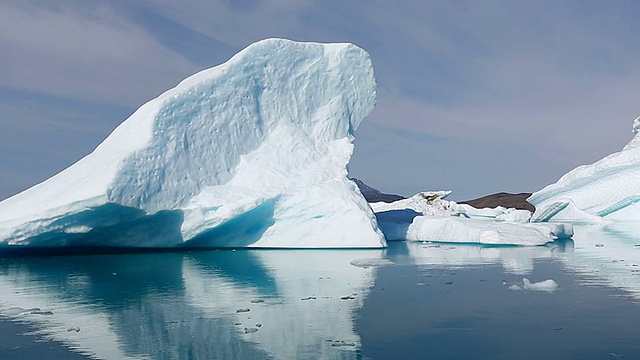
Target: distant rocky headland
[516,201]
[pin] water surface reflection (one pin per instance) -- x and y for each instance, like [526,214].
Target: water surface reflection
[280,304]
[218,304]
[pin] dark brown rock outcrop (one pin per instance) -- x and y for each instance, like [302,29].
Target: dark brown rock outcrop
[507,200]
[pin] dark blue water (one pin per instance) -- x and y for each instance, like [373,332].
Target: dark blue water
[410,301]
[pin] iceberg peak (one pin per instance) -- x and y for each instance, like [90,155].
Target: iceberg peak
[635,142]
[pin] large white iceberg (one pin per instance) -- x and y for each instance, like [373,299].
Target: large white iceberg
[251,153]
[605,191]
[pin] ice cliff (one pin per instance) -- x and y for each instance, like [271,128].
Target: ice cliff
[605,191]
[249,153]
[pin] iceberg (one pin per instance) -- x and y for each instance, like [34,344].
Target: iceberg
[427,216]
[605,191]
[476,231]
[251,153]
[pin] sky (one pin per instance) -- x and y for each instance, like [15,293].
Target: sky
[473,96]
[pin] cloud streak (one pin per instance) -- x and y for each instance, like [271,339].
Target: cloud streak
[476,97]
[83,54]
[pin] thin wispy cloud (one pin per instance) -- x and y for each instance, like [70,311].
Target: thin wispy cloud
[476,97]
[89,54]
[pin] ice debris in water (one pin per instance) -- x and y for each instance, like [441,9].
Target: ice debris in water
[548,285]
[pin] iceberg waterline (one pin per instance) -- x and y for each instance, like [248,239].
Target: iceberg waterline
[251,153]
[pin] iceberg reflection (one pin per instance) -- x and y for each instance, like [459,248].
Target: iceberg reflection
[516,260]
[258,304]
[184,306]
[608,255]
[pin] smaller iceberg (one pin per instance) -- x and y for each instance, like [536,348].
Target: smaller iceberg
[603,192]
[427,216]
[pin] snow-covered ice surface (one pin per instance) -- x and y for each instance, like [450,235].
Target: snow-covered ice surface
[251,153]
[428,217]
[607,190]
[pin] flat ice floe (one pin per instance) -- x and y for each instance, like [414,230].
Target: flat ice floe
[251,153]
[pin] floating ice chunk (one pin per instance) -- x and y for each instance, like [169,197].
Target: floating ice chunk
[548,285]
[452,229]
[514,288]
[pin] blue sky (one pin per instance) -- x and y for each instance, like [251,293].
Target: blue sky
[473,96]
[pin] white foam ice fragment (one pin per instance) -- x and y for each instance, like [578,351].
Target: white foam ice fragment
[548,285]
[514,287]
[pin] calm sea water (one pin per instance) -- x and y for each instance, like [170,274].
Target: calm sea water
[410,301]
